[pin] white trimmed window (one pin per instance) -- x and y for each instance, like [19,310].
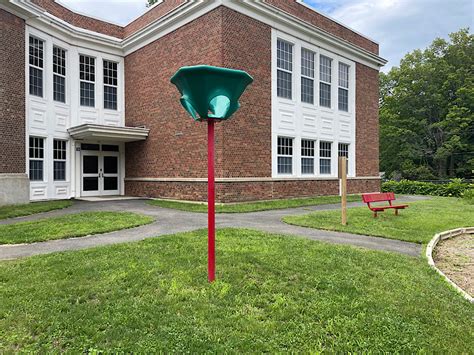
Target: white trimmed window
[343,90]
[59,160]
[59,74]
[307,76]
[325,81]
[343,151]
[36,155]
[285,155]
[325,158]
[110,85]
[87,80]
[307,157]
[285,69]
[36,66]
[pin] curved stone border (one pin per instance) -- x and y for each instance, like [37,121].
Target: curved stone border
[429,254]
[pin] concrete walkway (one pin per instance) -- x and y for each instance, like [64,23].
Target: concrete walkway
[168,221]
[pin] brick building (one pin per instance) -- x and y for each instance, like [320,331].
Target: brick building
[87,109]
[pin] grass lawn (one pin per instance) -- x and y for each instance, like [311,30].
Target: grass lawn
[32,208]
[253,206]
[273,294]
[68,226]
[419,223]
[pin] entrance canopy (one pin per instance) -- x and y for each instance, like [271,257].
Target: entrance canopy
[108,133]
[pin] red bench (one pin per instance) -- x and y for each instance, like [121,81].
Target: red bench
[381,197]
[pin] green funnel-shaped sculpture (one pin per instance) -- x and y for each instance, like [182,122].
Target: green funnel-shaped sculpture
[210,92]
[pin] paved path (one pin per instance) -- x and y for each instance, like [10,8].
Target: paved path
[168,221]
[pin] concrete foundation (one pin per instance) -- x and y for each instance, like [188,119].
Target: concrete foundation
[14,189]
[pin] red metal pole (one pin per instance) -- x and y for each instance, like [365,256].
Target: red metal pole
[211,216]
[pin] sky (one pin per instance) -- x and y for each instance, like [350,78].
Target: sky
[399,26]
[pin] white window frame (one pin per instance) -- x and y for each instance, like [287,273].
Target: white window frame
[286,155]
[285,70]
[346,153]
[325,158]
[58,74]
[109,85]
[343,86]
[88,81]
[31,158]
[37,67]
[304,150]
[307,77]
[325,82]
[62,159]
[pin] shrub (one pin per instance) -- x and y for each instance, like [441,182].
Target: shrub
[455,188]
[468,195]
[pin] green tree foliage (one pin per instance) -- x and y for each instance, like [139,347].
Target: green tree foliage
[151,2]
[426,112]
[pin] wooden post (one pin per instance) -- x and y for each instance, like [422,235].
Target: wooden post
[343,176]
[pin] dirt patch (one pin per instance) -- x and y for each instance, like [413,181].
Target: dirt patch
[455,258]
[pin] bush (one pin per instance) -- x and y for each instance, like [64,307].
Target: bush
[455,188]
[468,195]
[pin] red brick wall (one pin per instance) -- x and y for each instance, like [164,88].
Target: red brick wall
[177,145]
[318,20]
[367,121]
[246,191]
[12,93]
[151,15]
[78,20]
[247,136]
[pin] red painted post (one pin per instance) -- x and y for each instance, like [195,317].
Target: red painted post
[211,216]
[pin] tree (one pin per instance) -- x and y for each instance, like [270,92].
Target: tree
[426,111]
[151,2]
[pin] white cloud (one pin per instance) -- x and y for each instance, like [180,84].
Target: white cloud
[117,11]
[401,26]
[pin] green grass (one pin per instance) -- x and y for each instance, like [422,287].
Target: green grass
[253,206]
[68,226]
[418,223]
[272,294]
[11,211]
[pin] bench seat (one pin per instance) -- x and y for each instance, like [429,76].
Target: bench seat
[381,197]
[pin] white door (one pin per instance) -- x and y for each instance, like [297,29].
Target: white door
[109,170]
[99,173]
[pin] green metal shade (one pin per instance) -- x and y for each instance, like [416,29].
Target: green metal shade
[210,92]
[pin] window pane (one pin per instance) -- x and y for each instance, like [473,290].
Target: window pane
[88,146]
[325,166]
[59,88]
[307,90]
[325,157]
[86,68]
[307,63]
[343,75]
[110,148]
[285,165]
[90,183]
[284,55]
[307,165]
[90,164]
[324,95]
[325,69]
[285,155]
[36,82]
[36,170]
[110,183]
[343,100]
[110,165]
[284,84]
[110,97]
[60,170]
[87,94]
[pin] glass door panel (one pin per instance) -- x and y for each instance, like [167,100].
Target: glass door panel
[90,184]
[110,173]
